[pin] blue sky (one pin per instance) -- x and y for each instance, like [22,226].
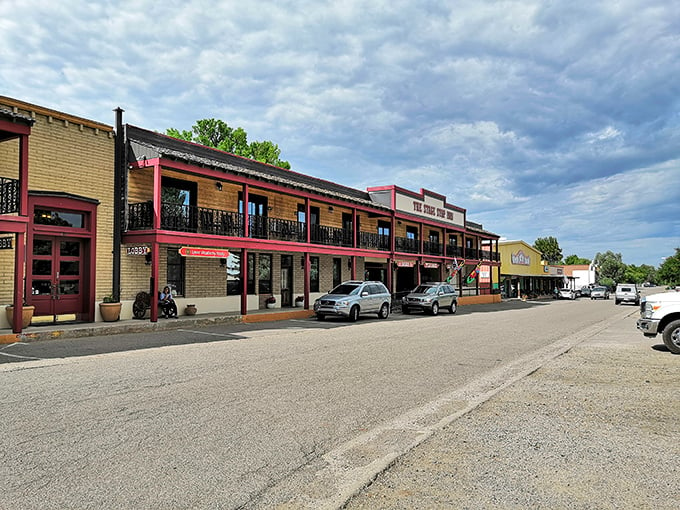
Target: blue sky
[541,118]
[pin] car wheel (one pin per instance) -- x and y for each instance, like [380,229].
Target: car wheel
[384,311]
[617,302]
[592,298]
[354,314]
[405,310]
[671,337]
[435,308]
[454,307]
[320,316]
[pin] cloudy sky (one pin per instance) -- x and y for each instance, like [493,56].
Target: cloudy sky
[541,118]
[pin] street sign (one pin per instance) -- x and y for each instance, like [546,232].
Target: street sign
[217,253]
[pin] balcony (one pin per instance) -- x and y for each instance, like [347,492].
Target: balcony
[204,220]
[9,195]
[407,245]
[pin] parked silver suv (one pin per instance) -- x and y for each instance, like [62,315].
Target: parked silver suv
[352,298]
[627,293]
[430,297]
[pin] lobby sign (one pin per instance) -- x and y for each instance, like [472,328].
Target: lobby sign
[217,253]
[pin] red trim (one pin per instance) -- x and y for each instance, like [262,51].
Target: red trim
[15,128]
[237,179]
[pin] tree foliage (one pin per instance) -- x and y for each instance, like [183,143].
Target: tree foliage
[218,134]
[640,274]
[572,260]
[610,266]
[669,271]
[549,248]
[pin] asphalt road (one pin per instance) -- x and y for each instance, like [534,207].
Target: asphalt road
[293,415]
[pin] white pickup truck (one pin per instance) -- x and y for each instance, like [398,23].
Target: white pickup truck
[660,314]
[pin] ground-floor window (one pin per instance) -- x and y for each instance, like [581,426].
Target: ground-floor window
[234,274]
[337,272]
[264,273]
[251,273]
[176,270]
[314,274]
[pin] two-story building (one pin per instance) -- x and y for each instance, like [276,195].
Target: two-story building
[90,210]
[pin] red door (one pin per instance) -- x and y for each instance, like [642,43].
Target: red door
[55,279]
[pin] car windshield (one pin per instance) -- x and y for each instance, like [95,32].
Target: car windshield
[599,289]
[346,289]
[425,289]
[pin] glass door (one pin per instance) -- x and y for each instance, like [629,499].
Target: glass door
[55,278]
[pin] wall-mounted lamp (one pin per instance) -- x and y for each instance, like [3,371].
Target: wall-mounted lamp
[302,261]
[223,262]
[147,258]
[270,208]
[349,263]
[218,186]
[330,208]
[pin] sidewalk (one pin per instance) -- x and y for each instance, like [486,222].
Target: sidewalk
[79,330]
[596,427]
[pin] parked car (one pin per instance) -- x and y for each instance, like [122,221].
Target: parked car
[567,294]
[599,293]
[627,293]
[353,298]
[585,291]
[430,297]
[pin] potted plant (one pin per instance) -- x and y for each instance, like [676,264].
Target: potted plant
[190,309]
[110,308]
[26,315]
[270,302]
[300,301]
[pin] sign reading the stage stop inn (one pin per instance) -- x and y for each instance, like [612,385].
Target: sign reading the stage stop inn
[431,206]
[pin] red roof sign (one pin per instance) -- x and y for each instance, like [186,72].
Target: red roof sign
[188,251]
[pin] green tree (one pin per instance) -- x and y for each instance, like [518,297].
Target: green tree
[640,274]
[549,248]
[572,260]
[609,266]
[218,134]
[669,271]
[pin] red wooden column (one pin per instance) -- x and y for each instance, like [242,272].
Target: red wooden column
[19,264]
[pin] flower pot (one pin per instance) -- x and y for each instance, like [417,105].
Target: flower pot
[271,305]
[190,310]
[110,311]
[26,316]
[299,304]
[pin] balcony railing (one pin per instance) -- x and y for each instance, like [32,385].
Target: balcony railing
[432,248]
[204,220]
[333,236]
[9,195]
[406,245]
[372,241]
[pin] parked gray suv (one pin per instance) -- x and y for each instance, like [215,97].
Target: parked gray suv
[430,297]
[353,298]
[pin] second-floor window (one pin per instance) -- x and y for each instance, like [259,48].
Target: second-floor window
[434,236]
[384,228]
[412,233]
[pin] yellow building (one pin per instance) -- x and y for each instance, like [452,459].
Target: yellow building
[524,273]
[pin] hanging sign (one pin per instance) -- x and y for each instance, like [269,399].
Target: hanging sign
[6,243]
[405,263]
[216,253]
[430,265]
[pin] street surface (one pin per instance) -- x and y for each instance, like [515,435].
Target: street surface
[299,414]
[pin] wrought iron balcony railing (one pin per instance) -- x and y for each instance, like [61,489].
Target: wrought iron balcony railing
[406,245]
[204,220]
[432,248]
[9,195]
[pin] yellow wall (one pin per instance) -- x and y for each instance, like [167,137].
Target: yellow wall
[507,249]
